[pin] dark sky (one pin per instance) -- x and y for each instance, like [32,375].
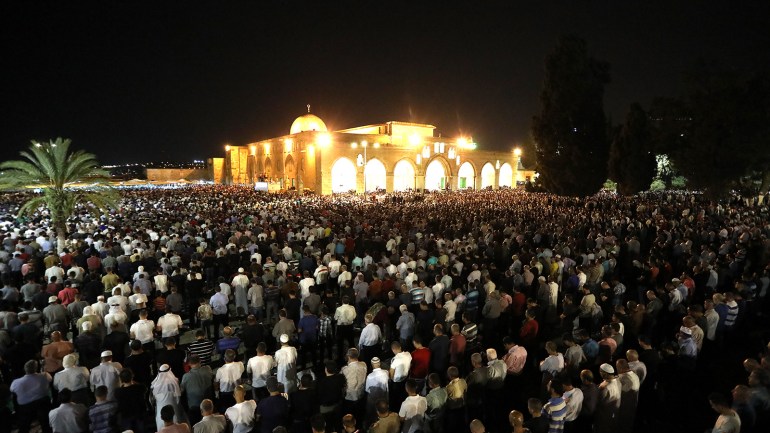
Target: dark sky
[151,81]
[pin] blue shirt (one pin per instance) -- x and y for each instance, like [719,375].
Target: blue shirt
[555,410]
[30,387]
[591,348]
[273,411]
[309,325]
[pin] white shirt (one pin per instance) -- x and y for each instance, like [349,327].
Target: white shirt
[242,416]
[169,324]
[355,376]
[345,314]
[142,330]
[574,401]
[286,358]
[377,383]
[451,308]
[400,366]
[259,367]
[161,283]
[228,376]
[370,336]
[553,364]
[304,286]
[412,410]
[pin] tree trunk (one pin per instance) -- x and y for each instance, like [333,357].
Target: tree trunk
[61,236]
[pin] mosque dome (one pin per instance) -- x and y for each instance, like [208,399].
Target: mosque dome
[308,122]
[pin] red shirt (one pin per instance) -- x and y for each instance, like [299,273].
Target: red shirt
[420,363]
[67,295]
[529,332]
[518,302]
[456,349]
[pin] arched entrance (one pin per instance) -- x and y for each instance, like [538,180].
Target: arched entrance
[374,173]
[435,176]
[487,175]
[506,175]
[343,176]
[290,173]
[403,176]
[466,176]
[268,169]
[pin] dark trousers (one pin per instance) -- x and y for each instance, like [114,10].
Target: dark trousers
[135,424]
[369,352]
[308,350]
[219,319]
[325,344]
[225,400]
[36,410]
[344,333]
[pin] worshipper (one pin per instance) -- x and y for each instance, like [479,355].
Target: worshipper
[31,398]
[241,414]
[728,421]
[54,353]
[608,405]
[167,392]
[140,362]
[74,378]
[387,421]
[69,417]
[197,385]
[436,399]
[211,422]
[107,373]
[272,411]
[130,398]
[103,414]
[227,378]
[376,387]
[169,425]
[171,355]
[369,340]
[259,368]
[629,396]
[304,404]
[286,361]
[355,380]
[413,408]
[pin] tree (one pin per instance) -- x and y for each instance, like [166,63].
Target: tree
[716,132]
[570,132]
[632,160]
[55,169]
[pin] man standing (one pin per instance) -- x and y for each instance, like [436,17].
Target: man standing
[728,421]
[32,401]
[286,359]
[219,306]
[107,374]
[413,409]
[211,422]
[369,340]
[355,378]
[376,387]
[556,409]
[69,417]
[344,316]
[308,337]
[197,384]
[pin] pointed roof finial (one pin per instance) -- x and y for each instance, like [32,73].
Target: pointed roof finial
[308,108]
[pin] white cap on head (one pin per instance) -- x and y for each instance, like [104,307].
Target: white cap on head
[51,299]
[87,326]
[106,353]
[241,270]
[607,368]
[284,338]
[685,330]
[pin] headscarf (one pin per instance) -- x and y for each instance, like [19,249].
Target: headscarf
[165,382]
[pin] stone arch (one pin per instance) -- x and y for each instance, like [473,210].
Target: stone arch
[437,174]
[404,175]
[290,172]
[466,176]
[487,175]
[343,175]
[506,176]
[375,175]
[268,168]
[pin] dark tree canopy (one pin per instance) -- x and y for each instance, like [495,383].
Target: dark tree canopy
[717,132]
[632,160]
[570,132]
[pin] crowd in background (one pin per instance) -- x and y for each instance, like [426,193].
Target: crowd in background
[218,308]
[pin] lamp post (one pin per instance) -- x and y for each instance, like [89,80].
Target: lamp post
[516,161]
[228,170]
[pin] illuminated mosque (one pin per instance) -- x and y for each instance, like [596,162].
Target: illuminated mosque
[390,156]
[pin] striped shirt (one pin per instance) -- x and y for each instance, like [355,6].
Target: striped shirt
[203,349]
[556,411]
[102,416]
[732,313]
[418,295]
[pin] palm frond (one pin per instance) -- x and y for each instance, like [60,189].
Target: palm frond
[32,205]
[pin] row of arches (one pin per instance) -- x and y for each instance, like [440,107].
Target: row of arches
[438,176]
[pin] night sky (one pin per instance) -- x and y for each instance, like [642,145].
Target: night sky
[175,81]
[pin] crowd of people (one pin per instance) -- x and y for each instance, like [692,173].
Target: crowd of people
[219,308]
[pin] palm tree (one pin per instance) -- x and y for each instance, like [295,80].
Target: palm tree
[55,170]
